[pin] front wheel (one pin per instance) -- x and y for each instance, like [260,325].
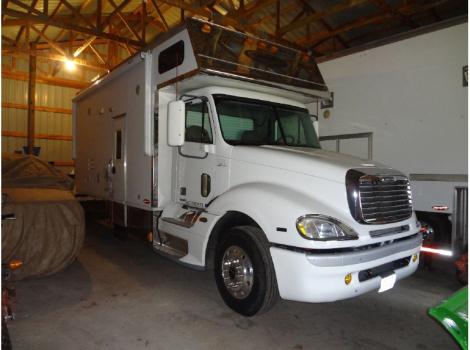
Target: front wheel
[244,271]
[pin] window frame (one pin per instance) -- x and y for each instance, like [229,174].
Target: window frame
[206,109]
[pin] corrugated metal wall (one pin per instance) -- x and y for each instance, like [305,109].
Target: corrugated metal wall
[15,119]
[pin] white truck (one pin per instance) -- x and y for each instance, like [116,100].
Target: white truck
[204,140]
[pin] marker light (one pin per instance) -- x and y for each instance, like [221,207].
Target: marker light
[348,278]
[206,28]
[415,257]
[15,264]
[436,251]
[440,207]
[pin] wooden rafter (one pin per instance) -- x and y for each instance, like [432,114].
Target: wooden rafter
[374,19]
[87,43]
[400,16]
[343,6]
[160,14]
[50,42]
[77,13]
[22,28]
[76,28]
[124,21]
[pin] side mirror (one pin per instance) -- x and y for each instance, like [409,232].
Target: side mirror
[176,123]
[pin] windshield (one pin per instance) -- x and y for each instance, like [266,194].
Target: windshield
[245,121]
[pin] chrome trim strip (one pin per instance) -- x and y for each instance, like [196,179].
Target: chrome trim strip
[362,256]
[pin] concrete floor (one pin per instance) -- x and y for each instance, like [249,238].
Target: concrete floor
[121,295]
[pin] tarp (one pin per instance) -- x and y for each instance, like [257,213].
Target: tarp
[49,228]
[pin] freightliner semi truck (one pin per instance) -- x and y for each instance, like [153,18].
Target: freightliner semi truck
[204,140]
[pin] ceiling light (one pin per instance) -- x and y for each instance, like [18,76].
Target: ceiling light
[70,65]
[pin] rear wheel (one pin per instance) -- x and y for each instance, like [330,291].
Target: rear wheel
[244,271]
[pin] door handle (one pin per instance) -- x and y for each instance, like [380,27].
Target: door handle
[205,185]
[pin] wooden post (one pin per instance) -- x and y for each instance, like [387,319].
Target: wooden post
[31,97]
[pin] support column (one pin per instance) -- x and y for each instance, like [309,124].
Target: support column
[31,97]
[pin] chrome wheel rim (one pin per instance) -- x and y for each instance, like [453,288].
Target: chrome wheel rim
[237,272]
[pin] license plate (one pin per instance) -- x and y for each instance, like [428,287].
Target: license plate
[387,282]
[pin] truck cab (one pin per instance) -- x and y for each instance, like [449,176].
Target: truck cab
[257,199]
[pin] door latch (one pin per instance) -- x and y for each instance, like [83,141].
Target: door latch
[205,185]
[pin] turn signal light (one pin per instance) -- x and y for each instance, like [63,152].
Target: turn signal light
[348,278]
[15,264]
[206,28]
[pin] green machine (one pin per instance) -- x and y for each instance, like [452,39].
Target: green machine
[453,315]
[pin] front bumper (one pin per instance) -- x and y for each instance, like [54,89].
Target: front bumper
[310,277]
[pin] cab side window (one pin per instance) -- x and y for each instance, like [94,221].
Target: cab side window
[198,127]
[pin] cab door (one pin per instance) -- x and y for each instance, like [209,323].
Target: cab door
[196,158]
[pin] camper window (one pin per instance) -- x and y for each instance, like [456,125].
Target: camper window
[198,127]
[118,145]
[171,57]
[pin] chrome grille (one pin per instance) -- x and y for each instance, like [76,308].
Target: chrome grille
[384,199]
[378,196]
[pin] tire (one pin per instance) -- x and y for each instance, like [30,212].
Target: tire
[253,289]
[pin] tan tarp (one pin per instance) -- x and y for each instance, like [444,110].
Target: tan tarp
[49,229]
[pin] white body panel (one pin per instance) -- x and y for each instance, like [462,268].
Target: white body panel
[411,96]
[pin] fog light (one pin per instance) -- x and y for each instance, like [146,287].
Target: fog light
[415,257]
[348,278]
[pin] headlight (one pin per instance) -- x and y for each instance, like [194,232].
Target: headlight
[324,228]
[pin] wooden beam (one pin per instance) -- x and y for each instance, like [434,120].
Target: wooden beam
[50,42]
[6,133]
[77,13]
[31,100]
[37,108]
[74,84]
[123,20]
[143,21]
[343,6]
[310,40]
[61,24]
[99,9]
[378,18]
[26,7]
[187,7]
[325,24]
[401,17]
[257,6]
[97,54]
[87,43]
[160,14]
[51,16]
[21,30]
[116,10]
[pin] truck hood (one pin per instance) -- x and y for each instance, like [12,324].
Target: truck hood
[310,161]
